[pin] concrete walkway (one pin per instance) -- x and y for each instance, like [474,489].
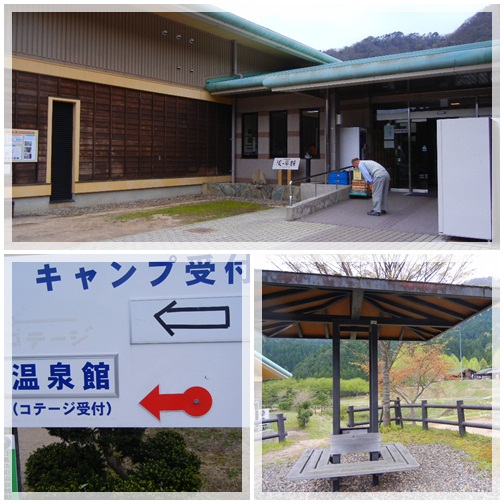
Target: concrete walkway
[411,223]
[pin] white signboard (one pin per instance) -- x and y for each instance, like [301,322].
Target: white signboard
[127,342]
[286,163]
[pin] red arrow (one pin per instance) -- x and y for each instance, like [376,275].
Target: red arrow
[195,401]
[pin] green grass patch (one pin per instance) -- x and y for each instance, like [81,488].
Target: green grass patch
[274,446]
[197,212]
[477,447]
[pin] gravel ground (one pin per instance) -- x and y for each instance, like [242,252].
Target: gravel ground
[442,469]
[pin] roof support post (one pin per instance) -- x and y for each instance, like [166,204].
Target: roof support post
[327,127]
[233,141]
[373,378]
[336,379]
[410,179]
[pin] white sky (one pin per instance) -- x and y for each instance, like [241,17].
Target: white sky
[326,24]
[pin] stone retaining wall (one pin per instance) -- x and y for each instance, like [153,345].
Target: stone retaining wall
[255,191]
[329,196]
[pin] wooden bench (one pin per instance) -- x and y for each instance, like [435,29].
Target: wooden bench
[317,464]
[355,441]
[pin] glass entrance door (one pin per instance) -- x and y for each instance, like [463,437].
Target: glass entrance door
[405,139]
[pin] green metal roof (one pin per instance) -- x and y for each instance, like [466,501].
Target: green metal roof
[275,367]
[426,61]
[264,36]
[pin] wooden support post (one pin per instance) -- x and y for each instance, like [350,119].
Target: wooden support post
[373,389]
[461,418]
[425,415]
[351,416]
[373,378]
[280,177]
[398,412]
[336,380]
[281,427]
[336,393]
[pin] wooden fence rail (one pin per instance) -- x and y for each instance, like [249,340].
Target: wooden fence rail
[281,434]
[399,419]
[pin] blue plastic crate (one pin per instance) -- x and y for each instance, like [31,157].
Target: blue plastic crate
[340,178]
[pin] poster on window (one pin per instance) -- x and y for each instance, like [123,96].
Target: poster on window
[21,146]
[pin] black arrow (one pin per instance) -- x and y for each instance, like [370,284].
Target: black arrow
[199,316]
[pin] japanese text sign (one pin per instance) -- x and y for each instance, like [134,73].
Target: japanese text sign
[128,342]
[286,163]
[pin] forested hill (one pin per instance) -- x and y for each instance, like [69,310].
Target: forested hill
[313,358]
[477,28]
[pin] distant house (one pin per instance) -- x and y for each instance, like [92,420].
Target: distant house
[467,374]
[488,374]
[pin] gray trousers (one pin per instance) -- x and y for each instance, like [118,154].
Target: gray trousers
[381,185]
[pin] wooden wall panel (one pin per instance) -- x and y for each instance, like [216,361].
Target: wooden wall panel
[125,133]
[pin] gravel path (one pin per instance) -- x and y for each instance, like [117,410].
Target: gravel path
[442,469]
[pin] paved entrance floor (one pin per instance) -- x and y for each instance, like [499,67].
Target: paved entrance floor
[410,224]
[415,214]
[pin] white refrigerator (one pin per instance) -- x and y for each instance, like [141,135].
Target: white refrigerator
[465,177]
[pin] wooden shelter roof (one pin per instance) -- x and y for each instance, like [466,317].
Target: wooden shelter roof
[304,305]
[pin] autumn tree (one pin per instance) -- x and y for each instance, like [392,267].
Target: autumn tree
[419,366]
[413,268]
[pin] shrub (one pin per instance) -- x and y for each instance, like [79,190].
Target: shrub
[166,466]
[304,414]
[160,463]
[59,467]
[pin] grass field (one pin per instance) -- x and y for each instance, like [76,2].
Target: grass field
[197,212]
[478,447]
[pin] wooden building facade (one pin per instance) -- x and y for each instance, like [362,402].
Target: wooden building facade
[118,104]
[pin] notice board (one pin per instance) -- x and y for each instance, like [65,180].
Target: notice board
[20,146]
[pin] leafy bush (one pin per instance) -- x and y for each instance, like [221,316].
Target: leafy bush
[114,460]
[166,466]
[353,387]
[59,467]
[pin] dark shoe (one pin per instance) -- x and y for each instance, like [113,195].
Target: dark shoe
[383,212]
[372,212]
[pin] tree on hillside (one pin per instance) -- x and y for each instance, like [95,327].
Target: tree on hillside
[418,367]
[477,28]
[439,269]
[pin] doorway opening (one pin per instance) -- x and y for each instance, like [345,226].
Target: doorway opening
[62,145]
